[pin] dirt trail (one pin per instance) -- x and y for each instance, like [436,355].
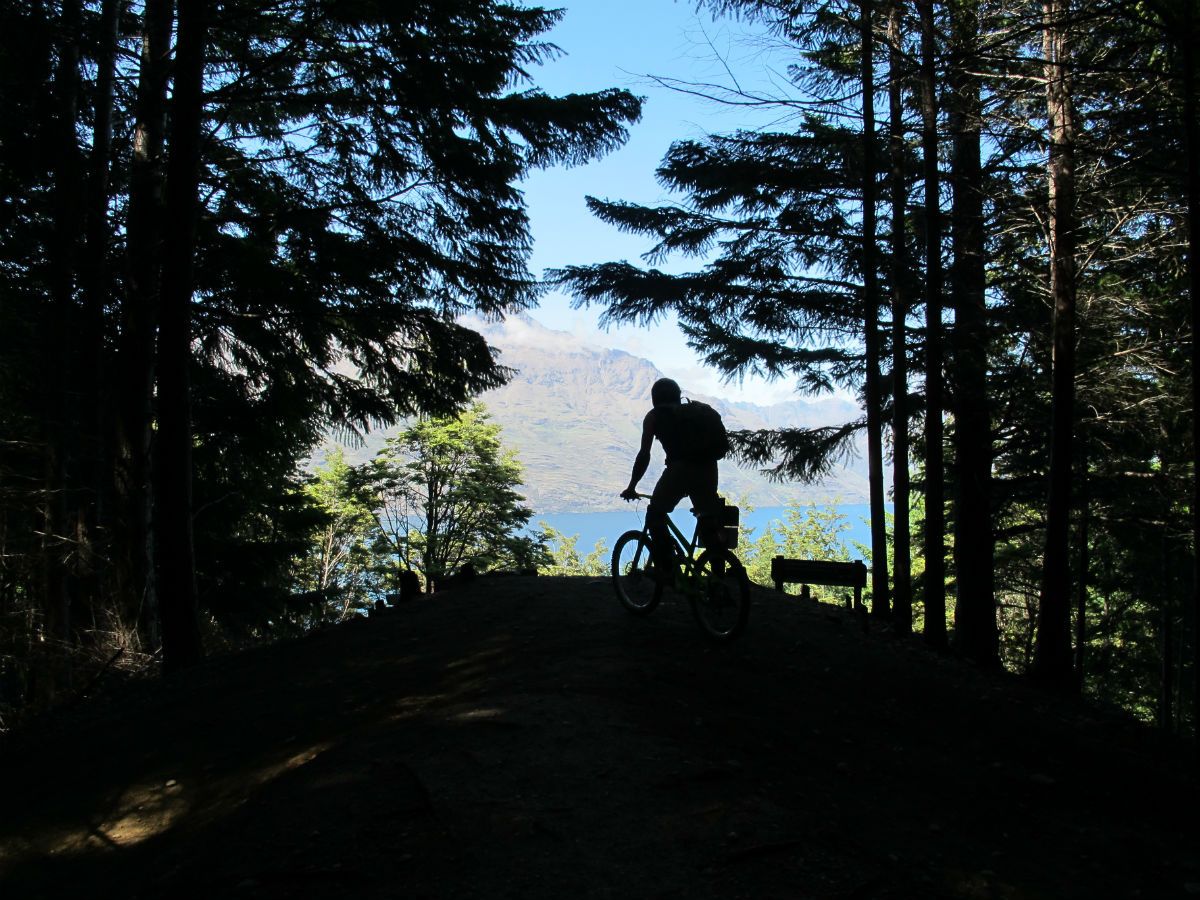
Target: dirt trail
[526,737]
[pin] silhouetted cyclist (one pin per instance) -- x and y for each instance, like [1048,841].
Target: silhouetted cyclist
[693,438]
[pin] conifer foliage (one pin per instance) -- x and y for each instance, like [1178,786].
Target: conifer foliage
[233,226]
[1039,174]
[783,224]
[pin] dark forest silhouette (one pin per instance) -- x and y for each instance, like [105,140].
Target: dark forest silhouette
[217,210]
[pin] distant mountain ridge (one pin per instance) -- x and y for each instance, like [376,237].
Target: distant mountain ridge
[573,413]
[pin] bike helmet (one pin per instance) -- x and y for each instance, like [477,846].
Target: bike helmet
[664,392]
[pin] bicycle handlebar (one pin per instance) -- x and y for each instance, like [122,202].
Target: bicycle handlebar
[640,496]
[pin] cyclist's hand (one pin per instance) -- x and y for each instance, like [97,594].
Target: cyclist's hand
[629,493]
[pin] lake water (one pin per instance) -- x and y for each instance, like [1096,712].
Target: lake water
[591,527]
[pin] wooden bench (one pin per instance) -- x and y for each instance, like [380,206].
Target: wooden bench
[820,571]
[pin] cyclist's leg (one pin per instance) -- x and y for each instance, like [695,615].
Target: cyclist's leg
[702,491]
[671,488]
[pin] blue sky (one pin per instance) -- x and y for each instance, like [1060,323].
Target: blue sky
[619,43]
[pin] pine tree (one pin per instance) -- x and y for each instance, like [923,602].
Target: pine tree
[976,633]
[174,548]
[350,175]
[781,289]
[1052,661]
[1130,428]
[880,593]
[934,462]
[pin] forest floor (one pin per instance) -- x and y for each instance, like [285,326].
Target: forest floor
[527,738]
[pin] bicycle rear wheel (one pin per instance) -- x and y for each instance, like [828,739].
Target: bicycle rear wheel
[633,573]
[721,602]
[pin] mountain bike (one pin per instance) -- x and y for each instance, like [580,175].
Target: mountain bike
[715,582]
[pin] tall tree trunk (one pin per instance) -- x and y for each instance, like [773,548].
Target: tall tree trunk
[176,580]
[935,483]
[135,384]
[976,634]
[95,277]
[59,338]
[1052,657]
[901,541]
[880,605]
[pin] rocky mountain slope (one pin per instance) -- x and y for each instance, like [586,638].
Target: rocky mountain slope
[573,412]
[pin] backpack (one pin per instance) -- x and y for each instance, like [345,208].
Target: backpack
[697,431]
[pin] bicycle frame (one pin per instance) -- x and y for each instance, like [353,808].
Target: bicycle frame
[689,547]
[715,582]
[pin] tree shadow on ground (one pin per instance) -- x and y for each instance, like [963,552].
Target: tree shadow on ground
[527,738]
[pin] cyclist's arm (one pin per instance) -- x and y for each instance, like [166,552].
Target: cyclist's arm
[642,461]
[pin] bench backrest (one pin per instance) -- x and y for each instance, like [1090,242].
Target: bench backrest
[819,571]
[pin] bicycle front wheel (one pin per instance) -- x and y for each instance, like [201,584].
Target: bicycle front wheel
[633,573]
[721,602]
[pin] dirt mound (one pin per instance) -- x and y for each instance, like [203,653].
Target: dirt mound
[526,737]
